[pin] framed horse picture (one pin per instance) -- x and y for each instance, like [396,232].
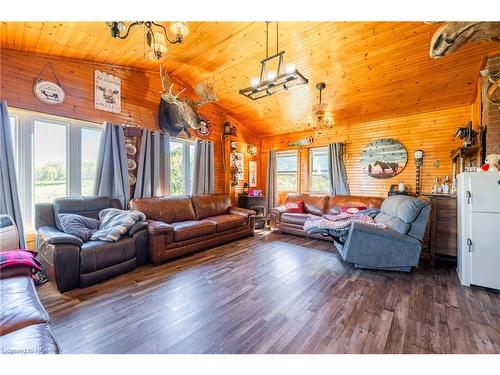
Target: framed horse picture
[383,158]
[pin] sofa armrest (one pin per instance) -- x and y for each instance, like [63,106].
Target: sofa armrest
[246,213]
[374,246]
[137,227]
[59,254]
[275,217]
[374,231]
[54,236]
[159,227]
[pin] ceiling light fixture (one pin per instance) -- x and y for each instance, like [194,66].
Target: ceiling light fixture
[273,81]
[156,35]
[320,119]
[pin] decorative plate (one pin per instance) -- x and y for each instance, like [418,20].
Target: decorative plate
[131,149]
[49,92]
[131,179]
[383,158]
[131,164]
[205,129]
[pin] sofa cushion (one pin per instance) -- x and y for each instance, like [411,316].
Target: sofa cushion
[84,206]
[402,206]
[226,222]
[336,202]
[34,339]
[210,205]
[294,218]
[186,230]
[20,305]
[313,204]
[96,255]
[169,209]
[394,223]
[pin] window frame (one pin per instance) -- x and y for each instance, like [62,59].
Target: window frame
[310,178]
[186,165]
[283,153]
[24,154]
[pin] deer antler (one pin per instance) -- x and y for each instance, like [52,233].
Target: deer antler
[206,93]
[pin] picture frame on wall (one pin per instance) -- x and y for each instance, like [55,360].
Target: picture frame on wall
[238,161]
[252,173]
[107,92]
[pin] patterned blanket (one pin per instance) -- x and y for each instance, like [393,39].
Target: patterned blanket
[115,222]
[338,225]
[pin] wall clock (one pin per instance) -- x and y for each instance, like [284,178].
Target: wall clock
[205,127]
[383,158]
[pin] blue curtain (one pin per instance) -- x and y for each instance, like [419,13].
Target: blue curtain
[337,176]
[153,169]
[203,174]
[9,193]
[111,178]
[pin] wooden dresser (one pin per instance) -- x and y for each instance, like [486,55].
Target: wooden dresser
[443,233]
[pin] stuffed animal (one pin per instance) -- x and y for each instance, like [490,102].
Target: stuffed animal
[491,164]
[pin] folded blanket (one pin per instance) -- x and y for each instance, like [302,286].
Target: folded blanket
[115,222]
[19,257]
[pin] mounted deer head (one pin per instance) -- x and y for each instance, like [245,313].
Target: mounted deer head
[453,35]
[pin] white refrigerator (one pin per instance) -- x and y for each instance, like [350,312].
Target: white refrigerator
[478,195]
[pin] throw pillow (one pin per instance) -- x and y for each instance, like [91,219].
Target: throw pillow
[294,207]
[79,226]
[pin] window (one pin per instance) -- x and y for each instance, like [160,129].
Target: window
[90,147]
[318,166]
[286,170]
[55,156]
[181,166]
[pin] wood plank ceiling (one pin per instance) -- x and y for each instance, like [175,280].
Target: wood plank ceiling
[373,70]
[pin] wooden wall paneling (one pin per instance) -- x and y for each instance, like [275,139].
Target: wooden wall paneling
[140,100]
[433,132]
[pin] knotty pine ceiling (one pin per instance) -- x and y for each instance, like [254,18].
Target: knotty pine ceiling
[373,70]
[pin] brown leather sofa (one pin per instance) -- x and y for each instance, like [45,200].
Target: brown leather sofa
[180,225]
[24,324]
[315,205]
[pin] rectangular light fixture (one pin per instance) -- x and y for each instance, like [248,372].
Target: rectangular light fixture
[284,79]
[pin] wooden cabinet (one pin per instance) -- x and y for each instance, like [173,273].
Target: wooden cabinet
[443,235]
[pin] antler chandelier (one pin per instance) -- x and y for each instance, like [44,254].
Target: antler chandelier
[273,81]
[320,119]
[156,35]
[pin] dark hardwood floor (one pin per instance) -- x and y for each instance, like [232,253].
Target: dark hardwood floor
[275,293]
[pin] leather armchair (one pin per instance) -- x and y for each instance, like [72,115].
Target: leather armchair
[68,261]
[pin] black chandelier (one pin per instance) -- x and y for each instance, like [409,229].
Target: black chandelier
[156,35]
[270,81]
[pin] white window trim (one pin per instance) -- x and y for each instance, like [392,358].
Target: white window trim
[289,152]
[24,138]
[311,153]
[185,164]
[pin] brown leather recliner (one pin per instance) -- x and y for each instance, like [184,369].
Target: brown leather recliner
[180,225]
[315,205]
[24,324]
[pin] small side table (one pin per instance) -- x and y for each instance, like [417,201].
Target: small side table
[256,203]
[443,234]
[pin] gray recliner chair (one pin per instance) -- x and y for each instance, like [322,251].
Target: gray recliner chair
[71,263]
[396,248]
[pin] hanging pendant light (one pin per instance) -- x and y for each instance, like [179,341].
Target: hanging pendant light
[272,81]
[320,119]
